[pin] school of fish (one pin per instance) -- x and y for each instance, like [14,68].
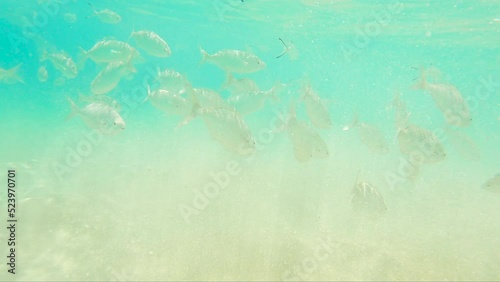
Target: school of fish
[225,117]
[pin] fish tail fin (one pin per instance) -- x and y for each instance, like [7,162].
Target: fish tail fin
[421,80]
[82,58]
[82,97]
[401,127]
[188,118]
[130,65]
[44,56]
[284,118]
[194,110]
[281,122]
[285,49]
[204,55]
[158,71]
[306,87]
[14,72]
[354,122]
[396,101]
[274,92]
[229,80]
[132,33]
[148,89]
[74,108]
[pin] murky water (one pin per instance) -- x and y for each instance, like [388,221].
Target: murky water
[366,161]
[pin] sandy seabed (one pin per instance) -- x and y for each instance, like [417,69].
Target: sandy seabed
[121,215]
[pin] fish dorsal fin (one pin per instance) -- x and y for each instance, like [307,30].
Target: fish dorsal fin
[357,180]
[399,129]
[354,121]
[109,37]
[306,87]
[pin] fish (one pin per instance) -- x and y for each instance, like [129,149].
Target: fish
[62,62]
[109,51]
[307,143]
[252,101]
[367,200]
[316,108]
[107,79]
[171,80]
[289,49]
[493,184]
[415,141]
[228,128]
[11,76]
[70,18]
[370,135]
[99,116]
[241,85]
[100,99]
[208,98]
[42,74]
[234,61]
[463,144]
[448,99]
[170,102]
[151,43]
[106,15]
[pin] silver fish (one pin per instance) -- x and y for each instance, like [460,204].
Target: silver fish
[228,128]
[234,61]
[151,43]
[104,99]
[110,51]
[316,108]
[208,98]
[307,143]
[106,15]
[171,80]
[107,79]
[62,62]
[241,85]
[371,136]
[249,102]
[418,142]
[172,103]
[448,99]
[99,116]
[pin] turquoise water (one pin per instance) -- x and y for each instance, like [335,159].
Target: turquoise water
[159,201]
